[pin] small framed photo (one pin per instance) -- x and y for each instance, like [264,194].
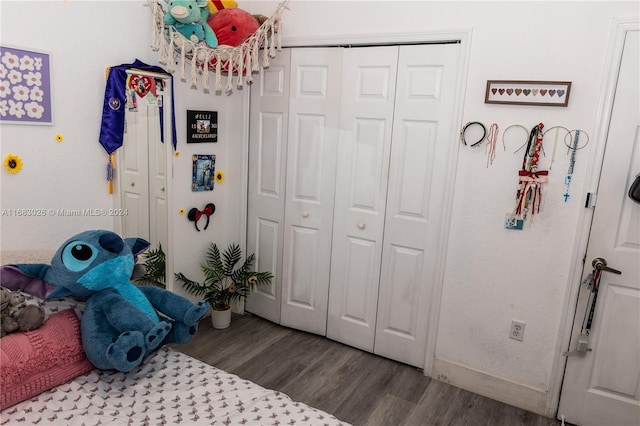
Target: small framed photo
[204,167]
[202,126]
[517,92]
[25,86]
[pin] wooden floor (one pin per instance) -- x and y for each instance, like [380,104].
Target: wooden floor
[355,386]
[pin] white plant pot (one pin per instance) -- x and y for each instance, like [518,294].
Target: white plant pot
[220,319]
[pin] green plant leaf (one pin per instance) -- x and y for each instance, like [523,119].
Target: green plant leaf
[154,262]
[224,283]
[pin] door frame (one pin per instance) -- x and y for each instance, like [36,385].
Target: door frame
[619,29]
[461,36]
[168,137]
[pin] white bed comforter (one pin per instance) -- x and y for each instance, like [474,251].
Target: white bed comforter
[169,388]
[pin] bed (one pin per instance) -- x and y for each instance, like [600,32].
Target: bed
[168,388]
[45,379]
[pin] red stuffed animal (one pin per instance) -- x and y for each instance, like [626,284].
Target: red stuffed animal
[232,26]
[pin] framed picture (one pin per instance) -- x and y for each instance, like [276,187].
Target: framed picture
[25,86]
[516,92]
[202,126]
[204,167]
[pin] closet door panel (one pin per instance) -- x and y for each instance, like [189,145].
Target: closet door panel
[267,173]
[311,156]
[422,135]
[367,104]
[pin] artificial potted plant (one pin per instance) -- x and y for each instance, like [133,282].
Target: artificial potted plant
[152,269]
[223,282]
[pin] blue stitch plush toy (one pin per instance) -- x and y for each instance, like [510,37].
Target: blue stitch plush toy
[122,322]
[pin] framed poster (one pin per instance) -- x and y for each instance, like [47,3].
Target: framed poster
[516,92]
[25,86]
[204,167]
[202,126]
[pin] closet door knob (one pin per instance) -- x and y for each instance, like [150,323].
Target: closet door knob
[162,190]
[133,184]
[305,214]
[360,225]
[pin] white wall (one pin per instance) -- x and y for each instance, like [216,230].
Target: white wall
[494,275]
[71,174]
[83,38]
[226,225]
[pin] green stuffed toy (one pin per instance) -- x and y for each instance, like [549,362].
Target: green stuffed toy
[122,323]
[189,18]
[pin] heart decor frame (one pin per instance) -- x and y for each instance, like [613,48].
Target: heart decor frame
[522,92]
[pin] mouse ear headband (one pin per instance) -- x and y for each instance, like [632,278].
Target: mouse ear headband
[194,214]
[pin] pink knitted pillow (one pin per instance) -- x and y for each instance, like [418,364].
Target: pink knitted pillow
[35,361]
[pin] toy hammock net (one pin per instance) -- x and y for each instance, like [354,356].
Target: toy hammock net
[238,63]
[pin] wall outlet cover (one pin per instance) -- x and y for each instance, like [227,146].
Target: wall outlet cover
[517,330]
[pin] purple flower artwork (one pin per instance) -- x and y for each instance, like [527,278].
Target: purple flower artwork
[25,87]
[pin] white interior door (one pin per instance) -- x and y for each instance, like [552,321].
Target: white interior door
[366,111]
[311,164]
[423,132]
[158,209]
[602,386]
[133,174]
[141,173]
[267,174]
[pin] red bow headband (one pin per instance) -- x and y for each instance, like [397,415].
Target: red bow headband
[195,214]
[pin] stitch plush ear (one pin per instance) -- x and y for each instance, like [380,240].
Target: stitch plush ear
[32,278]
[137,245]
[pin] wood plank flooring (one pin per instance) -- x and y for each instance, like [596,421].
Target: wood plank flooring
[357,387]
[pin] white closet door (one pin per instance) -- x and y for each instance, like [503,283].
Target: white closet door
[311,164]
[267,174]
[422,137]
[368,95]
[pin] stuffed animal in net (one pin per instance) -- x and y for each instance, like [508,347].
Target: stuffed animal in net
[122,322]
[233,26]
[217,5]
[16,314]
[189,18]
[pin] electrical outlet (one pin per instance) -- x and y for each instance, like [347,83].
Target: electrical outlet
[517,330]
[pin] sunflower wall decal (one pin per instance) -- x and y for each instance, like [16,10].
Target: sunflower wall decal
[12,163]
[219,176]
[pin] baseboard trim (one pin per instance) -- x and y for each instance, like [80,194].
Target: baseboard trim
[521,396]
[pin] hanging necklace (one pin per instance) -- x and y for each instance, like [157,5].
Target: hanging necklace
[491,147]
[572,162]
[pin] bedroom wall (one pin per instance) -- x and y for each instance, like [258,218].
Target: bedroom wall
[71,174]
[494,275]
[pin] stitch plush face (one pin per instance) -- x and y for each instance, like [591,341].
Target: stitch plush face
[93,261]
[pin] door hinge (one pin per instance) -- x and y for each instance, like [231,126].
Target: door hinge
[591,200]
